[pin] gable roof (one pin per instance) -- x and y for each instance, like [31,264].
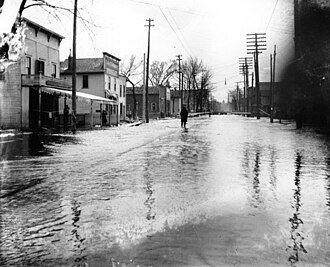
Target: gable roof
[84,65]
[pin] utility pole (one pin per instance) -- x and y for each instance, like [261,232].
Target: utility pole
[144,89]
[245,65]
[180,88]
[201,91]
[74,68]
[273,86]
[147,74]
[256,43]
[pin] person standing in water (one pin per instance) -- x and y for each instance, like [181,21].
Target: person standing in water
[184,117]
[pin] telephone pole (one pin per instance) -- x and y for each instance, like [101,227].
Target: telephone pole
[147,72]
[180,88]
[245,65]
[272,71]
[144,88]
[256,43]
[74,68]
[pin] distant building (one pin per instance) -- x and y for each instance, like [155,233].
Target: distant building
[158,98]
[265,99]
[99,77]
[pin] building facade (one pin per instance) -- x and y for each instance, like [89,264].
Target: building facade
[158,102]
[24,86]
[99,77]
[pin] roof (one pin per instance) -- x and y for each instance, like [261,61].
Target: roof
[85,96]
[84,65]
[37,26]
[111,56]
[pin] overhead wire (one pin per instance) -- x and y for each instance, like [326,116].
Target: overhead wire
[183,46]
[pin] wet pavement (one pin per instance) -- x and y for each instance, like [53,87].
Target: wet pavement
[230,191]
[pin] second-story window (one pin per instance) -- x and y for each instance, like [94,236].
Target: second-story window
[115,85]
[109,83]
[40,67]
[28,65]
[54,70]
[120,90]
[85,81]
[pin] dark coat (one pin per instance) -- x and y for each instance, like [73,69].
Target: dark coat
[184,114]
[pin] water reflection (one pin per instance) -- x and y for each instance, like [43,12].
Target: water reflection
[256,181]
[251,167]
[295,220]
[148,188]
[273,175]
[328,182]
[78,241]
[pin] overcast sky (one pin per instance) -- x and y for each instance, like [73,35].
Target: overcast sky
[212,30]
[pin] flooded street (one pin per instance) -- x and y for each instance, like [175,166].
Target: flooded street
[230,191]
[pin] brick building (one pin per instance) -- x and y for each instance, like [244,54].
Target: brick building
[158,98]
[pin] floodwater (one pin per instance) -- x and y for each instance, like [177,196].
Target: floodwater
[230,191]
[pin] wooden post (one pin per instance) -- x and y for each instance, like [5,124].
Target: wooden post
[39,118]
[91,115]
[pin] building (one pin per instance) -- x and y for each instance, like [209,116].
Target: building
[158,98]
[99,77]
[265,98]
[26,84]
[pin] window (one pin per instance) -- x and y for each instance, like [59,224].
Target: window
[115,85]
[153,106]
[85,81]
[40,67]
[54,71]
[121,108]
[124,91]
[28,65]
[120,91]
[109,83]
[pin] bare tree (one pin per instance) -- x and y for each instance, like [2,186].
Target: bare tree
[130,70]
[49,6]
[191,68]
[161,72]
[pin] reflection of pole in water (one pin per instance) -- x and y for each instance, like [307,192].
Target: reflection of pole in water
[149,190]
[256,181]
[78,247]
[295,220]
[273,178]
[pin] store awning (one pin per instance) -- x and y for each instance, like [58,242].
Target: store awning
[111,95]
[81,95]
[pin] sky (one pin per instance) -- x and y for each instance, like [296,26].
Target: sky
[211,30]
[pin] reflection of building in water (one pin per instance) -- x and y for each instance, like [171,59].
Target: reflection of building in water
[328,182]
[295,220]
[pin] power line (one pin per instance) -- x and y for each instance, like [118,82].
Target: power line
[271,16]
[173,29]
